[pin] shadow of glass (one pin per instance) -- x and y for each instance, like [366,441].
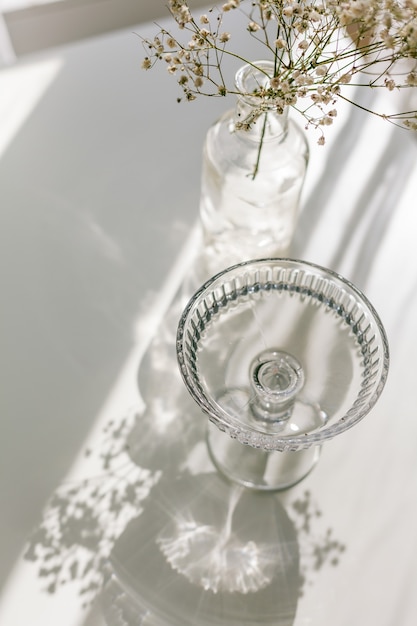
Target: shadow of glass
[214,553]
[208,552]
[167,428]
[172,544]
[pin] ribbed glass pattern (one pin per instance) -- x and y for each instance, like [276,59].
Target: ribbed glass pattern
[306,310]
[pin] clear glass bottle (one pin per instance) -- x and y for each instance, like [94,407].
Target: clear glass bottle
[254,165]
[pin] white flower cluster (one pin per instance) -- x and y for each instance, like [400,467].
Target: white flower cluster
[317,48]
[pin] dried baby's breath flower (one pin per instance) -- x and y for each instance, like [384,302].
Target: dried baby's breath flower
[320,50]
[232,4]
[253,27]
[224,37]
[412,79]
[281,44]
[345,79]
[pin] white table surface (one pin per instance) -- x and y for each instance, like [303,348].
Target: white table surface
[99,186]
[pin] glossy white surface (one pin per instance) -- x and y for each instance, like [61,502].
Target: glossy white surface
[99,184]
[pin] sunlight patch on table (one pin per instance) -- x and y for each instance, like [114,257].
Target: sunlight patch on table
[21,88]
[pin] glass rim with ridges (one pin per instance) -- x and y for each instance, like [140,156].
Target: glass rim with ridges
[316,282]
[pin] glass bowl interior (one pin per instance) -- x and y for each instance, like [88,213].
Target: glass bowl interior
[308,316]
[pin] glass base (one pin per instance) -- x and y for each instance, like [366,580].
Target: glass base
[259,469]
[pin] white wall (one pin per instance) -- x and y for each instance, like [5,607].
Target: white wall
[42,24]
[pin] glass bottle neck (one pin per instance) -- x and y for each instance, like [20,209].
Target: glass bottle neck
[260,124]
[256,113]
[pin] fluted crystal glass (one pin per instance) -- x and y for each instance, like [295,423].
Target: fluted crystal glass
[281,355]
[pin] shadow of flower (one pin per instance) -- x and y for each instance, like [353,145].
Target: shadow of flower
[176,537]
[83,520]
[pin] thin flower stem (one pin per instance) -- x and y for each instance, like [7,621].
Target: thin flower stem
[366,109]
[261,141]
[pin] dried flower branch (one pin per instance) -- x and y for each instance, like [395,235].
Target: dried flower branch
[319,48]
